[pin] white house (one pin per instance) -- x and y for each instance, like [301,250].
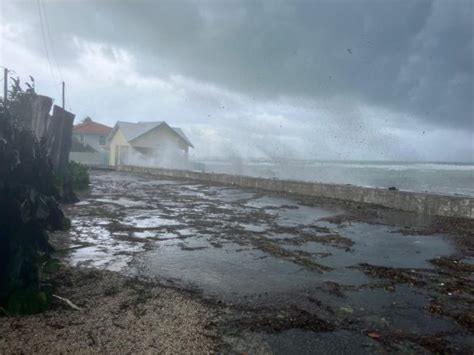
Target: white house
[92,133]
[89,143]
[148,143]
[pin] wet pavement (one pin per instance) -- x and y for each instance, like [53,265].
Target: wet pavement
[354,285]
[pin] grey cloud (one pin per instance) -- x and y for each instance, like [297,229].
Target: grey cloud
[323,66]
[410,56]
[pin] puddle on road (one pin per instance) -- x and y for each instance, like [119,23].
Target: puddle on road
[158,182]
[224,263]
[378,245]
[272,202]
[230,271]
[146,219]
[226,194]
[382,246]
[254,227]
[102,258]
[296,341]
[302,215]
[96,247]
[402,308]
[155,235]
[122,202]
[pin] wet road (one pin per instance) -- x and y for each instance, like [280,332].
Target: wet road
[373,285]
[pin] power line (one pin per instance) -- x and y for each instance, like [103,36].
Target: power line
[51,42]
[45,44]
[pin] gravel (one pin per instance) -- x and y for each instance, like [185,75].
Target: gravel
[119,315]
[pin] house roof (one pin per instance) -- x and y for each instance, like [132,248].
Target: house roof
[132,130]
[90,127]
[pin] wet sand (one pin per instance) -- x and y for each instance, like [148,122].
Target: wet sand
[276,273]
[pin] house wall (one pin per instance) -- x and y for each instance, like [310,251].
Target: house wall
[90,158]
[91,139]
[117,140]
[168,146]
[161,137]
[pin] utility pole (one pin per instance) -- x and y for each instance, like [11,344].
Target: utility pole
[5,86]
[64,98]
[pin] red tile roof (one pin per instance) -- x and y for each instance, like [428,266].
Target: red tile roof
[90,127]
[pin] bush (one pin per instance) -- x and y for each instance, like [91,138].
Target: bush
[28,209]
[79,174]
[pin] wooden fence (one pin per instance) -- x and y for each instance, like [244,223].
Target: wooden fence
[53,131]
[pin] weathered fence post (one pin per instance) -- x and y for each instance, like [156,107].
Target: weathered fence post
[55,133]
[41,105]
[32,113]
[58,136]
[58,143]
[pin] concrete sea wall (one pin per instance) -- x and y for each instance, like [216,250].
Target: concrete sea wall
[426,203]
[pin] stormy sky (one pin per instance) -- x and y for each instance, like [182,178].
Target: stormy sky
[375,80]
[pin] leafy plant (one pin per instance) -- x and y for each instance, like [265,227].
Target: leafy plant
[28,209]
[79,174]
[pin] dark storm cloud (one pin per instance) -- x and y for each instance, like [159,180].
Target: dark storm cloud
[413,57]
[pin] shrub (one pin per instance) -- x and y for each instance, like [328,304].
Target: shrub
[79,174]
[28,209]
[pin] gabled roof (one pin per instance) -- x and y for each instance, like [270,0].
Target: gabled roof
[182,135]
[90,127]
[132,130]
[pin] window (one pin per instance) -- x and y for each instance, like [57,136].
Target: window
[81,138]
[102,140]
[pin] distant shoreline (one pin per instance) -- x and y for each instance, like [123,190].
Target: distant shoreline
[431,177]
[380,162]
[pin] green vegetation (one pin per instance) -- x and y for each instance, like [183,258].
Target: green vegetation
[79,175]
[28,209]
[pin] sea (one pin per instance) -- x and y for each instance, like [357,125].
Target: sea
[434,177]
